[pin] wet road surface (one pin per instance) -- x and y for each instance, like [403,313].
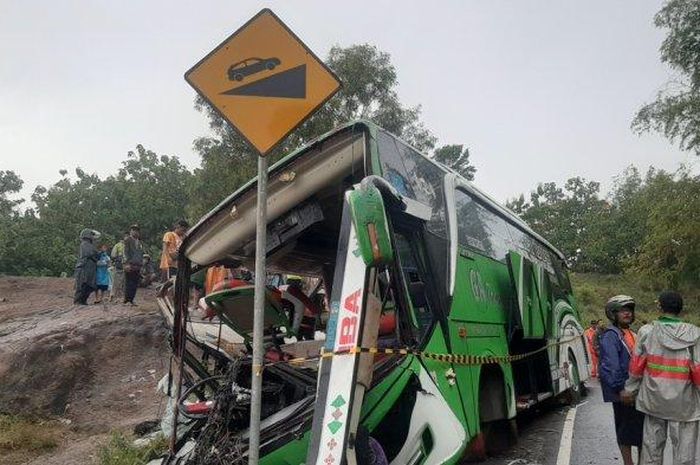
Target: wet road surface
[592,440]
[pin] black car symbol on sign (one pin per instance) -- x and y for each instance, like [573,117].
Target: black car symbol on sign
[237,71]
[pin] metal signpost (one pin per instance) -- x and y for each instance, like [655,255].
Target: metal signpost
[265,82]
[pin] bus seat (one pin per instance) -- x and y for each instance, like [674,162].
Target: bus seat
[229,284]
[387,324]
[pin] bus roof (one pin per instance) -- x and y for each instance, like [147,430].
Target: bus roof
[371,129]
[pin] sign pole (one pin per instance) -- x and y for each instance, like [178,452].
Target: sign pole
[259,313]
[264,99]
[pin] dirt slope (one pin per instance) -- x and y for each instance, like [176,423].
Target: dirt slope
[96,367]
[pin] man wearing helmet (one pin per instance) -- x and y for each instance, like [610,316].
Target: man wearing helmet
[86,267]
[617,344]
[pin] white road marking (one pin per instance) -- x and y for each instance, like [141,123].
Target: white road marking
[567,435]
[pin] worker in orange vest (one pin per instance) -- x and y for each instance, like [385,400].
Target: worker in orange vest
[592,339]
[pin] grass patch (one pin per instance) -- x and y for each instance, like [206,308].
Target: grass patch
[593,290]
[23,434]
[120,450]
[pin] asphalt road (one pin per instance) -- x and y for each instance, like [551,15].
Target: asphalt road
[592,436]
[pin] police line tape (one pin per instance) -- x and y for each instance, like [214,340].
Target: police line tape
[457,359]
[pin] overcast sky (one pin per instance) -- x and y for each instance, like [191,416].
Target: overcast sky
[539,90]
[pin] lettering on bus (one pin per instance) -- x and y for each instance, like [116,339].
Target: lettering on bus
[347,335]
[482,291]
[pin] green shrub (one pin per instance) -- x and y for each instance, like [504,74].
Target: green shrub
[120,450]
[592,290]
[19,434]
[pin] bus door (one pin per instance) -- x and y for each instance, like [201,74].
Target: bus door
[532,322]
[530,317]
[477,318]
[465,305]
[426,329]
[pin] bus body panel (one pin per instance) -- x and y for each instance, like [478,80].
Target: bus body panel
[488,285]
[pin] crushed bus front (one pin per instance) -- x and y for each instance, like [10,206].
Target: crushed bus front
[426,343]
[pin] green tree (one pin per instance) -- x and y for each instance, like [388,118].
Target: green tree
[676,110]
[669,251]
[456,157]
[149,189]
[369,92]
[572,218]
[648,225]
[10,184]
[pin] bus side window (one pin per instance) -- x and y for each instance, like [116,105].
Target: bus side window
[481,229]
[562,277]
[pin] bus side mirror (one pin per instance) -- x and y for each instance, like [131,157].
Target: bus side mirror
[371,225]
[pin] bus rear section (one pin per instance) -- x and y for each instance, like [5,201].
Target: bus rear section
[511,299]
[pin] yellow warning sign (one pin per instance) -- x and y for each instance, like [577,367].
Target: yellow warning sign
[263,80]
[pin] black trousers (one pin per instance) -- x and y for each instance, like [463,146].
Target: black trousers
[82,293]
[131,283]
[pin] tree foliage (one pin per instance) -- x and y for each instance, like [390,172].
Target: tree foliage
[148,189]
[647,225]
[456,157]
[569,217]
[676,110]
[10,184]
[669,252]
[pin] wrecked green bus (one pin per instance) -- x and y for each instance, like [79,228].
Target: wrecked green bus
[447,315]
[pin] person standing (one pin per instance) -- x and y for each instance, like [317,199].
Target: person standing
[148,272]
[591,334]
[117,270]
[171,246]
[617,344]
[86,267]
[665,377]
[102,274]
[133,260]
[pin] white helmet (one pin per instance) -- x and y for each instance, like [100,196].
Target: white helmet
[616,303]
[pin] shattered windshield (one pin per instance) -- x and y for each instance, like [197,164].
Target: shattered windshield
[414,176]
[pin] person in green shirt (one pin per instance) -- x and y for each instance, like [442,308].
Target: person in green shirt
[116,270]
[133,261]
[664,376]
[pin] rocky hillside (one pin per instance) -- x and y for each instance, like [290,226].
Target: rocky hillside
[89,369]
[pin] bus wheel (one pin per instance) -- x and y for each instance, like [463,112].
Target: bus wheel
[499,435]
[498,432]
[575,391]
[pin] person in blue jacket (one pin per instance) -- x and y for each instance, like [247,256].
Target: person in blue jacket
[102,276]
[616,347]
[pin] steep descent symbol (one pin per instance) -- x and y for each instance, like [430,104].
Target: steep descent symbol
[287,84]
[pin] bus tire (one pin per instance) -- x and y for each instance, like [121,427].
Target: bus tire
[499,435]
[575,392]
[497,430]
